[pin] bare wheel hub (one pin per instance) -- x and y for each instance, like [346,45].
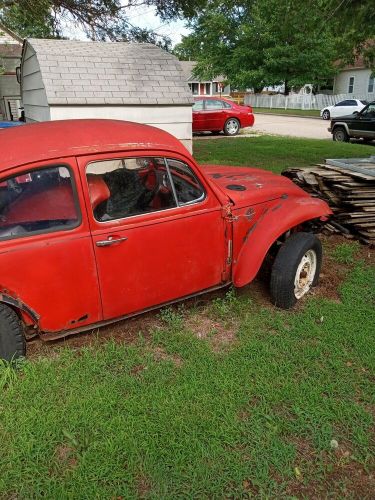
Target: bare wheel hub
[305,274]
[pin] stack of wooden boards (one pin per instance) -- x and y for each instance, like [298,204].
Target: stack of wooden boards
[348,185]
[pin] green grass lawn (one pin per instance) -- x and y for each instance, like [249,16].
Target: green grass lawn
[224,397]
[274,152]
[281,111]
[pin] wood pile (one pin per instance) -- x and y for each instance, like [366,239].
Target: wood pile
[348,186]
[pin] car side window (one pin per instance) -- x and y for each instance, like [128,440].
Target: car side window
[369,112]
[198,106]
[37,201]
[187,187]
[212,104]
[124,187]
[227,105]
[343,103]
[352,103]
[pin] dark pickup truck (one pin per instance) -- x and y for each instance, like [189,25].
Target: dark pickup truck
[358,125]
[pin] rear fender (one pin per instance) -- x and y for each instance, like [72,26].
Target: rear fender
[28,315]
[261,234]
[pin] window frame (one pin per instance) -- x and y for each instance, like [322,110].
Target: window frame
[371,84]
[187,203]
[351,85]
[131,217]
[75,199]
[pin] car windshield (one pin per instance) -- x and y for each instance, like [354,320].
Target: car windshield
[364,102]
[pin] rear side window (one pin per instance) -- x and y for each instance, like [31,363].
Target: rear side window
[213,104]
[38,201]
[187,187]
[198,106]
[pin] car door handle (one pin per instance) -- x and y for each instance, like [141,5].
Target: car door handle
[110,241]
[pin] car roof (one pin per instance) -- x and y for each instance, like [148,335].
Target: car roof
[63,138]
[200,97]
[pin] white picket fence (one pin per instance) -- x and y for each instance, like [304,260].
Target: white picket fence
[300,101]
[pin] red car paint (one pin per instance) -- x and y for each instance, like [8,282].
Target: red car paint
[208,119]
[66,280]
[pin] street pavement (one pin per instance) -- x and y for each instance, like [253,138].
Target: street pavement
[310,128]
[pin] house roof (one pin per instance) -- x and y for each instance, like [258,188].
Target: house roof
[80,72]
[188,67]
[65,138]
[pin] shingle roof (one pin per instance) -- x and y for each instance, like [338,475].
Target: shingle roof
[188,67]
[78,72]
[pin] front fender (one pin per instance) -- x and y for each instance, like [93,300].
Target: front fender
[274,222]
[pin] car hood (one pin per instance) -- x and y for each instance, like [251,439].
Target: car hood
[249,186]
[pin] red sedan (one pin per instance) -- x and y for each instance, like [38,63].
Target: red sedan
[215,114]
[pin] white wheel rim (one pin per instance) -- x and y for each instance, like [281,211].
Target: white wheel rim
[305,274]
[232,126]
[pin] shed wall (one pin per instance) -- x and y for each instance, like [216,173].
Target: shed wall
[34,96]
[173,119]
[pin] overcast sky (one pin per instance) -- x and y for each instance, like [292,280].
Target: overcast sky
[142,17]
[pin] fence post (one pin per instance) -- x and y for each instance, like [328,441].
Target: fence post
[271,102]
[286,102]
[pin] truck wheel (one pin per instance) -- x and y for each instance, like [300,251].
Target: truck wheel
[340,135]
[326,115]
[296,269]
[12,340]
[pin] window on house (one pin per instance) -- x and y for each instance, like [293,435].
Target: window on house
[207,88]
[371,84]
[38,201]
[194,87]
[351,85]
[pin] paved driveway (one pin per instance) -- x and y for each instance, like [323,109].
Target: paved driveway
[310,128]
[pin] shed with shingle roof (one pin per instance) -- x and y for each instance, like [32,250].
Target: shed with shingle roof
[62,79]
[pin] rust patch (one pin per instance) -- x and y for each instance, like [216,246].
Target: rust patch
[249,214]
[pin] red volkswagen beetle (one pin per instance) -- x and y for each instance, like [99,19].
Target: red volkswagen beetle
[102,219]
[216,114]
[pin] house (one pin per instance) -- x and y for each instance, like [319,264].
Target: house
[64,79]
[199,87]
[10,57]
[357,80]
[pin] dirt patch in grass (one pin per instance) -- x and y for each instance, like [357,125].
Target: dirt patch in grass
[65,456]
[220,333]
[143,486]
[160,355]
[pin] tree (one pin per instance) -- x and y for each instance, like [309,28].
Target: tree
[259,43]
[99,19]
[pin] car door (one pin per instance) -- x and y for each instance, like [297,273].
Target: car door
[198,116]
[364,124]
[342,108]
[214,114]
[157,230]
[46,252]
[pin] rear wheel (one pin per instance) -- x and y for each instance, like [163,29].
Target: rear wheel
[326,114]
[339,134]
[296,269]
[12,340]
[232,126]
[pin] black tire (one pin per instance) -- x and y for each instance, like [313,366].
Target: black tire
[339,135]
[231,127]
[326,115]
[286,264]
[12,340]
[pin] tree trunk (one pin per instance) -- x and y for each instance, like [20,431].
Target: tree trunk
[286,88]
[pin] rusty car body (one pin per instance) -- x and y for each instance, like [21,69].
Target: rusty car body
[101,220]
